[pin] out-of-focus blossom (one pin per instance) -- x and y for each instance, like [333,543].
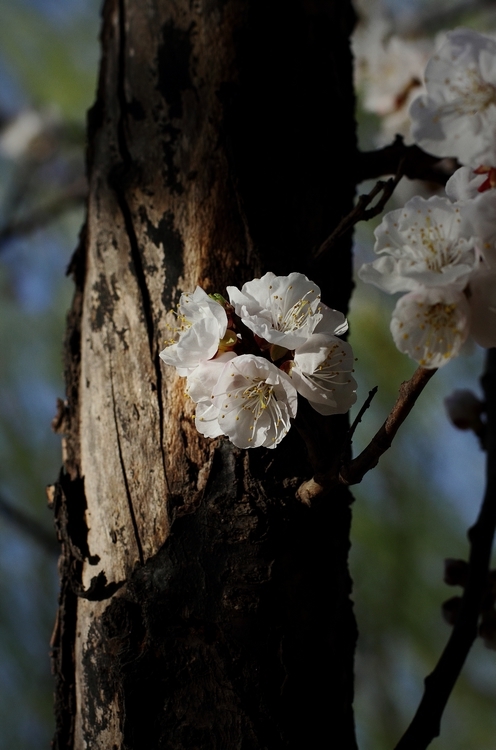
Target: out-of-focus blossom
[457,115]
[423,243]
[389,72]
[431,325]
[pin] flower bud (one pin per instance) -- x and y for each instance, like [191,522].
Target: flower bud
[450,609]
[455,572]
[464,409]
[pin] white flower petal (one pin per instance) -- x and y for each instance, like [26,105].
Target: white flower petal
[431,325]
[283,310]
[201,323]
[203,379]
[256,401]
[464,184]
[457,116]
[426,243]
[207,420]
[321,372]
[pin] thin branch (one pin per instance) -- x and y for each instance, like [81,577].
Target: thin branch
[29,527]
[417,165]
[355,470]
[399,160]
[362,212]
[410,390]
[359,416]
[73,196]
[425,725]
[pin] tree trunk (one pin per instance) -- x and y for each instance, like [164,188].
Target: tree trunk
[202,605]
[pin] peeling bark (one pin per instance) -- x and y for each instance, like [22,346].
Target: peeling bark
[202,605]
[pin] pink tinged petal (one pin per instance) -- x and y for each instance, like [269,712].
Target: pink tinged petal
[482,301]
[431,325]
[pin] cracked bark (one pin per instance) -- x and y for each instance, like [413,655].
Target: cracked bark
[202,606]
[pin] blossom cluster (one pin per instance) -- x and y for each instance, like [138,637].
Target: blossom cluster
[442,251]
[246,360]
[388,71]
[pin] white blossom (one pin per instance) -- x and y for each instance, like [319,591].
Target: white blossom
[457,116]
[431,325]
[199,387]
[426,243]
[283,310]
[389,71]
[201,323]
[321,372]
[255,402]
[464,184]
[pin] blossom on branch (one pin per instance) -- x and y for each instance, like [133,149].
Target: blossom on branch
[431,325]
[201,323]
[283,310]
[247,361]
[321,372]
[256,401]
[425,243]
[457,116]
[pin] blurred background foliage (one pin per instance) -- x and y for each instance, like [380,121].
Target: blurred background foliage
[48,62]
[409,514]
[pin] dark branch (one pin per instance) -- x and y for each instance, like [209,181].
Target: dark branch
[410,390]
[29,527]
[416,164]
[399,160]
[425,725]
[74,195]
[353,472]
[360,414]
[362,212]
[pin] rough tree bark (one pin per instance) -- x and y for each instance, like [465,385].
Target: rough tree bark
[202,605]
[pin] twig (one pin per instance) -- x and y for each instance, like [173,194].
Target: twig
[359,416]
[361,212]
[29,526]
[353,472]
[410,390]
[417,165]
[75,195]
[425,725]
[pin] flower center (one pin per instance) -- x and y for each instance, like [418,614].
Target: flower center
[175,331]
[439,325]
[473,95]
[257,397]
[294,318]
